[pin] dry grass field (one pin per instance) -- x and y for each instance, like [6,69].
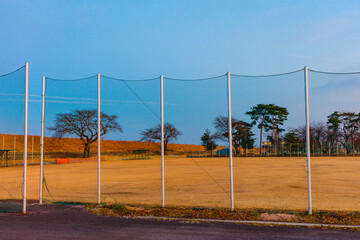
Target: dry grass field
[258,182]
[52,144]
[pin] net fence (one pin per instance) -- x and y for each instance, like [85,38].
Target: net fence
[334,132]
[12,98]
[270,165]
[130,157]
[268,140]
[196,167]
[70,144]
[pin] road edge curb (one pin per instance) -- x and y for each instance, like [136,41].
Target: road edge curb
[272,223]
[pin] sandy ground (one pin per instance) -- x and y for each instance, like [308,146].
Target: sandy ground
[258,182]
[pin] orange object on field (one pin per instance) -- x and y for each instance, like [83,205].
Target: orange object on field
[62,160]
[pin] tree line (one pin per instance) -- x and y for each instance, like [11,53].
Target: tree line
[341,127]
[84,125]
[268,118]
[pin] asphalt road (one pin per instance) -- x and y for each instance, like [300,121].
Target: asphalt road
[68,222]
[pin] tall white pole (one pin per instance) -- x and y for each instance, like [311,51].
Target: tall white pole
[230,145]
[25,134]
[162,141]
[98,142]
[42,141]
[307,138]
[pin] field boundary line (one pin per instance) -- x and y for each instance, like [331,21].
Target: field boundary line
[246,222]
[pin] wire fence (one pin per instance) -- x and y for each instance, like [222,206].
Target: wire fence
[168,141]
[13,108]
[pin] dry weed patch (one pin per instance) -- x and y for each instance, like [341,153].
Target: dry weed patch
[321,217]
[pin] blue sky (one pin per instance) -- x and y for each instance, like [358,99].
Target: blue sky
[182,39]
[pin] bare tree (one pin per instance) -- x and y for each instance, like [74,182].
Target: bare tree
[241,133]
[302,133]
[321,134]
[84,124]
[346,124]
[154,134]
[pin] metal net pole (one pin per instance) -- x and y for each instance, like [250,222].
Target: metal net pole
[98,141]
[230,145]
[25,135]
[307,138]
[162,142]
[42,142]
